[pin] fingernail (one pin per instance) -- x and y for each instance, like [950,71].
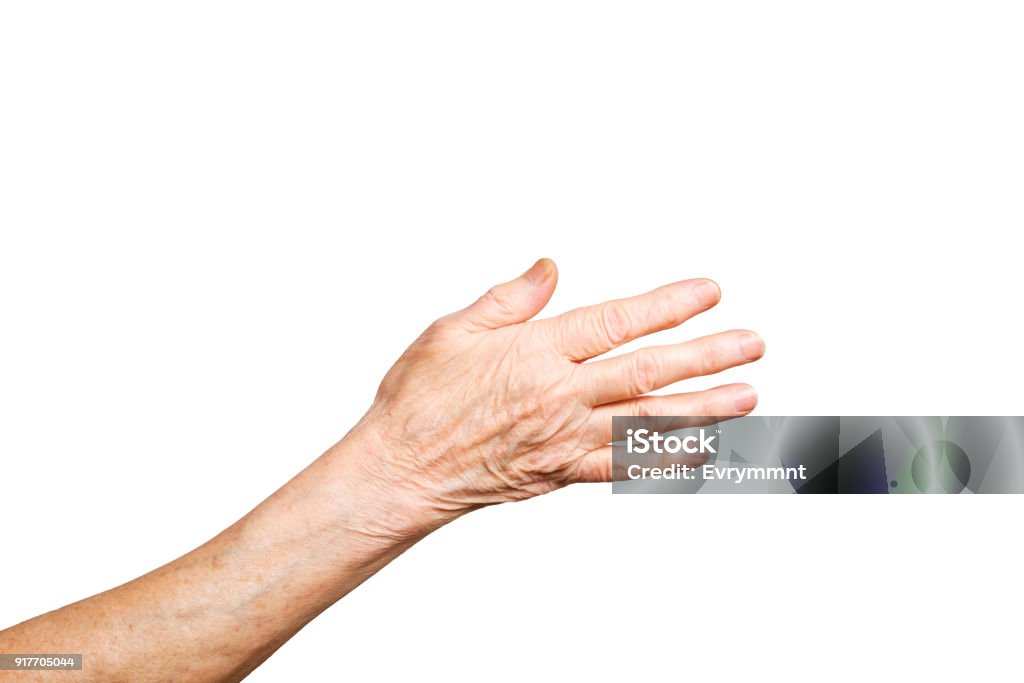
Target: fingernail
[707,294]
[751,346]
[745,399]
[538,273]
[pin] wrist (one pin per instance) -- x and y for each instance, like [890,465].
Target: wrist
[383,500]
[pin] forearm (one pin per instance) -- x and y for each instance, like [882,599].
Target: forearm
[217,612]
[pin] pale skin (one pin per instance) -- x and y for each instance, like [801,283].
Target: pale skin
[487,406]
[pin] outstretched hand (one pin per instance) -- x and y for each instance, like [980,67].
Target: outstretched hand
[488,406]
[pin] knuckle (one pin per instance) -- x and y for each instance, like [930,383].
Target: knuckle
[440,327]
[603,470]
[670,310]
[639,407]
[708,405]
[645,372]
[614,323]
[713,358]
[706,363]
[496,299]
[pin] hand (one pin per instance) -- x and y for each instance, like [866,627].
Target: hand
[486,407]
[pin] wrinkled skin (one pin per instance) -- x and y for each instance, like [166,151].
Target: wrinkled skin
[488,406]
[484,407]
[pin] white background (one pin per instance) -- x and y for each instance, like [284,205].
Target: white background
[221,222]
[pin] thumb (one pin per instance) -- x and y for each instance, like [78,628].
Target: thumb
[515,301]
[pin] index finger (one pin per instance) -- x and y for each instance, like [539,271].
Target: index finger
[590,331]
